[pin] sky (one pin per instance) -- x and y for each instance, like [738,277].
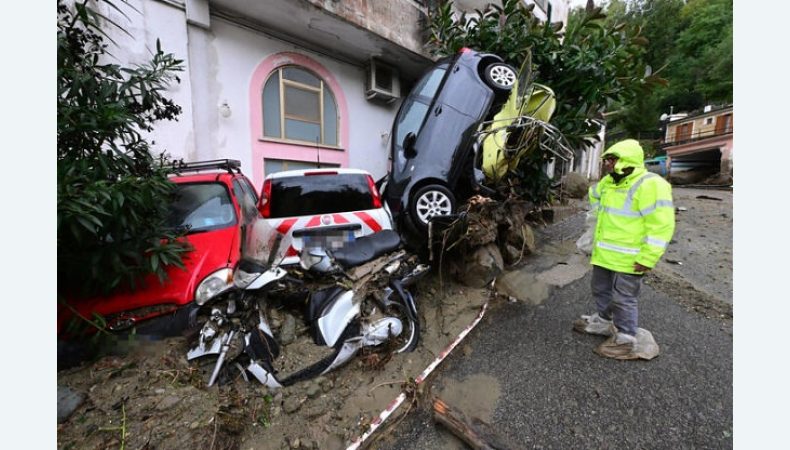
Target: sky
[575,3]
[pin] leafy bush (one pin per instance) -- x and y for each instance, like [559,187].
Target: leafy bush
[112,192]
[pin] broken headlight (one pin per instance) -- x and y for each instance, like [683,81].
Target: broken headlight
[213,285]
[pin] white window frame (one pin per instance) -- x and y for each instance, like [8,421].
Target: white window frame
[320,89]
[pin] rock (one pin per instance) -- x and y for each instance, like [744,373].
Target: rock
[168,402]
[159,391]
[288,330]
[575,185]
[291,405]
[278,398]
[522,236]
[334,442]
[313,390]
[511,254]
[295,442]
[68,402]
[315,411]
[524,286]
[483,266]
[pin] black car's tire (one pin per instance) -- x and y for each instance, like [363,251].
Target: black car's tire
[500,77]
[429,201]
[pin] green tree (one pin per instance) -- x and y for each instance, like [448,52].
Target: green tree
[690,46]
[591,65]
[702,63]
[112,192]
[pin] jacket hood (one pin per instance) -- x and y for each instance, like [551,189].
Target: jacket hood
[629,154]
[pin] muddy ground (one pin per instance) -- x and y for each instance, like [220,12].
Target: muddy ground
[696,270]
[153,398]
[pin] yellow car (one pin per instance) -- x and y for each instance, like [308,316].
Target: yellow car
[509,137]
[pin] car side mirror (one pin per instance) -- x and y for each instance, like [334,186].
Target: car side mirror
[408,145]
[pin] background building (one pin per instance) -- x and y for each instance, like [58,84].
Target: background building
[700,145]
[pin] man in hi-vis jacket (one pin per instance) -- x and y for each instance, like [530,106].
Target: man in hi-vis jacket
[635,223]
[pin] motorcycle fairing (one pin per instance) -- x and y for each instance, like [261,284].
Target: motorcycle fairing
[336,316]
[316,304]
[267,277]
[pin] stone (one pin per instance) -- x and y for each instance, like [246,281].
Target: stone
[68,401]
[291,405]
[575,185]
[168,402]
[522,236]
[315,411]
[485,264]
[313,390]
[511,254]
[288,330]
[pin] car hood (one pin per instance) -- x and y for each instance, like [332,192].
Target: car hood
[213,250]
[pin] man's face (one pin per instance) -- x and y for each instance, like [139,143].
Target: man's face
[608,164]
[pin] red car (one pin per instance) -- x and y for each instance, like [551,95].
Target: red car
[213,199]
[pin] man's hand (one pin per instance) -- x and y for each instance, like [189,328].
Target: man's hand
[640,268]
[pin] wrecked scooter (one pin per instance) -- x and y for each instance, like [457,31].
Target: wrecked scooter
[378,309]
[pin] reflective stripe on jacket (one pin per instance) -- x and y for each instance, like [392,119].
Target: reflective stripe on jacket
[636,220]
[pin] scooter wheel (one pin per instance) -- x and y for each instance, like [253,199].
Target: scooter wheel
[410,336]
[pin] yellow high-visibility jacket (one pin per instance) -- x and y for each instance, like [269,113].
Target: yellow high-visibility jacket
[636,217]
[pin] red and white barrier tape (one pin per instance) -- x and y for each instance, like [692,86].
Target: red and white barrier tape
[402,397]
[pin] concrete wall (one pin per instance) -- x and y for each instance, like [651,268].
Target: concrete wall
[396,20]
[220,64]
[167,23]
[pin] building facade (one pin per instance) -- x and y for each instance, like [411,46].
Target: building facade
[701,142]
[284,84]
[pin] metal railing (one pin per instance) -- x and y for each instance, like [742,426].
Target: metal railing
[697,136]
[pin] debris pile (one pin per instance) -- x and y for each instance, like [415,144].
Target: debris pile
[485,238]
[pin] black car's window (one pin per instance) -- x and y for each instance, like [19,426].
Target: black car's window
[430,82]
[247,201]
[320,194]
[201,207]
[410,120]
[415,108]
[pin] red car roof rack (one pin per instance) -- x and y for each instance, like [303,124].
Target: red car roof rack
[196,166]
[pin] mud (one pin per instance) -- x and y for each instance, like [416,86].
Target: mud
[703,242]
[151,397]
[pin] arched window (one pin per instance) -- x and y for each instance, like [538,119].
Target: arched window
[299,107]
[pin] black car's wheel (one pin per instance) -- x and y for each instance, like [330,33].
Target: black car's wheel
[501,77]
[429,201]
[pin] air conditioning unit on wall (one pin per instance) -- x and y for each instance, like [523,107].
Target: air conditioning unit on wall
[381,82]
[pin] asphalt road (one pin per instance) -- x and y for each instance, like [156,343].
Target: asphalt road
[554,392]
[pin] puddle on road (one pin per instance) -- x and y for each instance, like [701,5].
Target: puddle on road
[475,396]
